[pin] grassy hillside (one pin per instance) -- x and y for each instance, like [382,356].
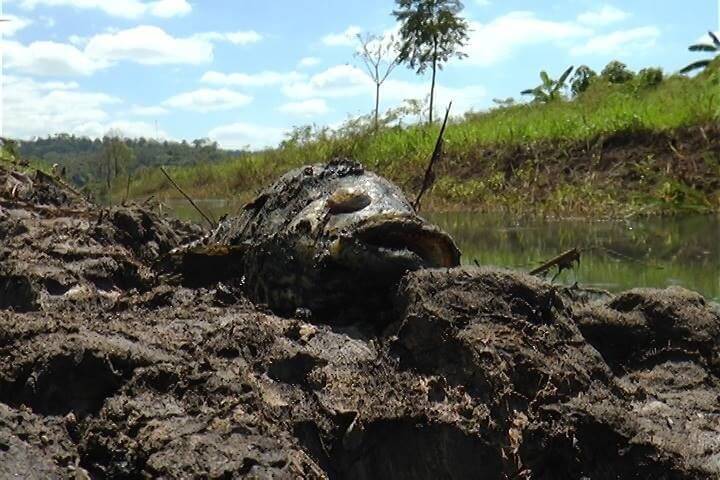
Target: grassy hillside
[616,149]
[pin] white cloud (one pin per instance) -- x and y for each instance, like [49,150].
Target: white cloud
[243,38]
[261,79]
[336,81]
[32,108]
[12,25]
[77,40]
[208,100]
[621,41]
[119,8]
[308,62]
[497,40]
[169,8]
[603,16]
[348,38]
[350,81]
[144,44]
[49,58]
[129,129]
[242,135]
[141,111]
[236,38]
[149,45]
[48,22]
[306,108]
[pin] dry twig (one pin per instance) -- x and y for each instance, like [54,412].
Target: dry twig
[429,178]
[211,222]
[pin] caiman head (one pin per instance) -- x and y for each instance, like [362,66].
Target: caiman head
[355,235]
[364,224]
[328,238]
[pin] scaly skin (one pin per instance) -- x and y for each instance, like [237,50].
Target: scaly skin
[326,238]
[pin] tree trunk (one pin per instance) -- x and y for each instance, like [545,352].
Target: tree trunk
[432,84]
[377,104]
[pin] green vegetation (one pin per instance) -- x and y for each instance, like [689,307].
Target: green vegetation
[582,79]
[617,148]
[431,33]
[379,56]
[549,90]
[702,47]
[94,164]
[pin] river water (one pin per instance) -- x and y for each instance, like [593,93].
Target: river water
[616,255]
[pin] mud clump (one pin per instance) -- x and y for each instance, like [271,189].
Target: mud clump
[58,250]
[112,370]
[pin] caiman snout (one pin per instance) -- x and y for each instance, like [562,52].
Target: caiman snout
[404,240]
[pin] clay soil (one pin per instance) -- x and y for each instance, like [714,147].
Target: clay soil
[112,369]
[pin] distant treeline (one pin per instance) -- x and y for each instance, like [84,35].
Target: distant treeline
[95,163]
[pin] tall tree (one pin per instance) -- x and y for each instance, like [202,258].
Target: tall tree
[431,32]
[703,47]
[380,56]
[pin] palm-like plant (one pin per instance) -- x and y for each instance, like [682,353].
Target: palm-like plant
[549,90]
[703,47]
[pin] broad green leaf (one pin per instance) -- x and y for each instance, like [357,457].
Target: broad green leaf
[702,48]
[545,78]
[715,39]
[565,75]
[695,66]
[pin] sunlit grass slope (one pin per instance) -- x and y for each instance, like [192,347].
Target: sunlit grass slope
[550,159]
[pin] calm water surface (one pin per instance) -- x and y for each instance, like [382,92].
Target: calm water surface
[617,255]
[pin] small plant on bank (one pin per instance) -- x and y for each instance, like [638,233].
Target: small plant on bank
[549,90]
[703,47]
[584,75]
[649,78]
[380,57]
[617,72]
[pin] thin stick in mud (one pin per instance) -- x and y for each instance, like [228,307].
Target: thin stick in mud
[211,222]
[429,178]
[562,261]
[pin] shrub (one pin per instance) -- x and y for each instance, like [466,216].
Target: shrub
[581,80]
[649,77]
[617,72]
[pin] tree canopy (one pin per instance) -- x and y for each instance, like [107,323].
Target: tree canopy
[431,33]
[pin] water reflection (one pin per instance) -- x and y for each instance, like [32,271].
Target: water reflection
[618,255]
[648,252]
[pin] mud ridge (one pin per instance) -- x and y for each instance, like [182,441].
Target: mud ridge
[112,369]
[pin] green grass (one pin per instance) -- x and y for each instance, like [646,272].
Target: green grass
[478,149]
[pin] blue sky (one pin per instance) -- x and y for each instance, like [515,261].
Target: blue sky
[244,72]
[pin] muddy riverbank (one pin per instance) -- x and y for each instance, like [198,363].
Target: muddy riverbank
[113,369]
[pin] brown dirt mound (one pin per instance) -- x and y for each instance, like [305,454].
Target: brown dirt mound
[108,371]
[56,248]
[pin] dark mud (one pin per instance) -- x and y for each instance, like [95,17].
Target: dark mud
[112,370]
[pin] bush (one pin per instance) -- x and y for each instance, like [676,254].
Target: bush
[617,72]
[649,77]
[581,80]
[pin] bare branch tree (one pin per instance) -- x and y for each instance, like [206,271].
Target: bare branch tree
[380,57]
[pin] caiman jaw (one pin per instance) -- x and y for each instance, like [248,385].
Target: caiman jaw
[406,237]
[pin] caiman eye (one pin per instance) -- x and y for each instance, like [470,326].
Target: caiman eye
[347,200]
